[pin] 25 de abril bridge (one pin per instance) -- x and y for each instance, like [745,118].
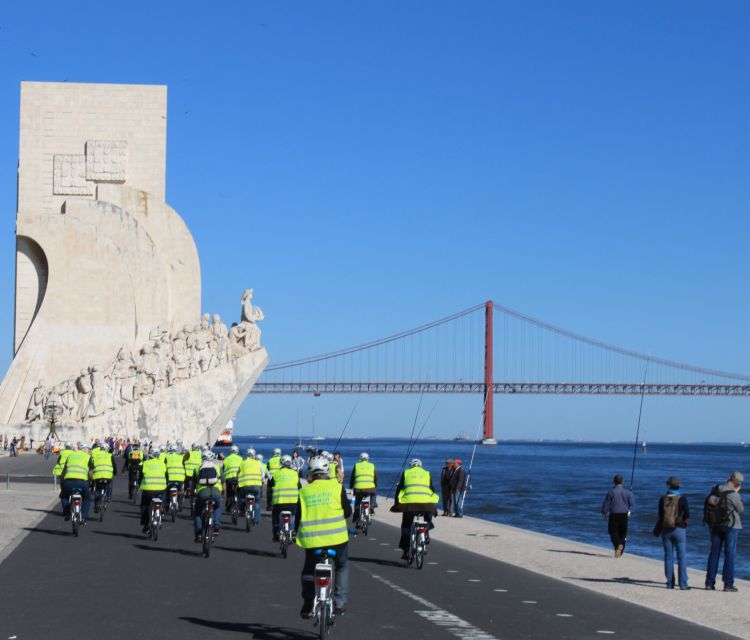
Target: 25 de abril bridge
[488,349]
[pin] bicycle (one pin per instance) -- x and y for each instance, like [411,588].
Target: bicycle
[325,582]
[417,542]
[174,500]
[76,518]
[153,532]
[249,511]
[101,498]
[207,527]
[285,531]
[234,508]
[365,515]
[133,486]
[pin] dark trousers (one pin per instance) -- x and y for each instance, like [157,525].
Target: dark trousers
[358,495]
[276,510]
[146,497]
[341,562]
[67,488]
[407,517]
[447,494]
[618,529]
[231,492]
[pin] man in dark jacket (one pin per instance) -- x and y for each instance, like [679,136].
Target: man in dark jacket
[445,487]
[672,523]
[616,506]
[458,486]
[725,535]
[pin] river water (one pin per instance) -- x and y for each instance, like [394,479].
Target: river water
[558,487]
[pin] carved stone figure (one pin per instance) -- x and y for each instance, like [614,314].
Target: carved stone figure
[180,359]
[83,385]
[37,403]
[251,314]
[202,346]
[221,341]
[147,371]
[98,401]
[123,378]
[237,335]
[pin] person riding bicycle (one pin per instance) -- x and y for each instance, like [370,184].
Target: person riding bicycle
[230,471]
[104,469]
[66,451]
[415,496]
[175,468]
[274,464]
[192,461]
[133,462]
[264,473]
[153,485]
[75,475]
[250,481]
[207,487]
[286,485]
[320,523]
[364,482]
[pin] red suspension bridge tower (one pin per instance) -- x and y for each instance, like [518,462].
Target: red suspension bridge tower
[489,386]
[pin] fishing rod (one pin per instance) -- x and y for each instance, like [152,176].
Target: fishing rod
[638,429]
[411,437]
[473,451]
[343,431]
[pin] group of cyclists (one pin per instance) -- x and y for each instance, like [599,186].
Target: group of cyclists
[316,511]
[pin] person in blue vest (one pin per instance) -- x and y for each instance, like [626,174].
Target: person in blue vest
[320,523]
[415,496]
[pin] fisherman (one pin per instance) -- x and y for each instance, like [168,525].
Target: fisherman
[414,496]
[445,487]
[725,530]
[363,482]
[320,523]
[458,487]
[616,506]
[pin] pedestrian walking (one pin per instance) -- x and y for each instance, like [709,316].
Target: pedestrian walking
[445,487]
[672,528]
[48,448]
[722,512]
[458,486]
[616,506]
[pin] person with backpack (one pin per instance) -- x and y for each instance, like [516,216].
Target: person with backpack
[722,512]
[616,507]
[672,527]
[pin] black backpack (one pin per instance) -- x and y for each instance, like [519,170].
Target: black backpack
[716,508]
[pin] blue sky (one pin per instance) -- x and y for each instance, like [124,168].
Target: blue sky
[371,167]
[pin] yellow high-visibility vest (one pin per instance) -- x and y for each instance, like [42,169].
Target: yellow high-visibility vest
[322,523]
[417,487]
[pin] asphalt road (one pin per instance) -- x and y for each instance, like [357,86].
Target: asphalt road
[114,582]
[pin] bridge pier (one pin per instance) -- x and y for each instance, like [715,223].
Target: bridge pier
[488,436]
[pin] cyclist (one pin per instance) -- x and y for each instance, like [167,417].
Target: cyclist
[153,485]
[229,472]
[321,516]
[208,485]
[364,482]
[67,450]
[250,481]
[175,468]
[192,461]
[75,474]
[274,464]
[414,496]
[133,462]
[286,486]
[104,468]
[265,475]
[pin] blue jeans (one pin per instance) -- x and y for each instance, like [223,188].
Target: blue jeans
[341,562]
[726,538]
[200,500]
[68,487]
[675,539]
[458,505]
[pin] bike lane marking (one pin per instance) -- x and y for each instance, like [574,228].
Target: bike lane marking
[440,617]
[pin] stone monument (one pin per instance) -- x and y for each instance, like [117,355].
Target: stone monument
[108,323]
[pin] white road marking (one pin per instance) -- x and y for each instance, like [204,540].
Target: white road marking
[501,590]
[474,580]
[432,563]
[529,601]
[451,623]
[373,539]
[385,544]
[564,615]
[451,571]
[605,632]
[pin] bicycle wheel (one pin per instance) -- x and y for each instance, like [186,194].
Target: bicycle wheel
[248,516]
[323,621]
[365,525]
[419,556]
[154,530]
[135,493]
[283,545]
[173,510]
[74,521]
[206,538]
[102,509]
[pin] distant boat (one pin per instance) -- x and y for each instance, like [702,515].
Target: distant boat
[318,438]
[225,437]
[462,437]
[644,447]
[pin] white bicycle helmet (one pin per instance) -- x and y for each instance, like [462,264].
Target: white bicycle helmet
[364,456]
[234,449]
[318,465]
[172,448]
[250,452]
[286,461]
[415,462]
[277,452]
[68,444]
[207,455]
[196,447]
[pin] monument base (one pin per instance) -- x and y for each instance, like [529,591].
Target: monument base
[489,441]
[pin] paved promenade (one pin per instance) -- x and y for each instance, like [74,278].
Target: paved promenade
[138,588]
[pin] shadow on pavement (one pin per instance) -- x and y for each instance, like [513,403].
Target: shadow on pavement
[256,630]
[642,583]
[579,553]
[181,552]
[52,511]
[132,536]
[382,563]
[52,532]
[252,552]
